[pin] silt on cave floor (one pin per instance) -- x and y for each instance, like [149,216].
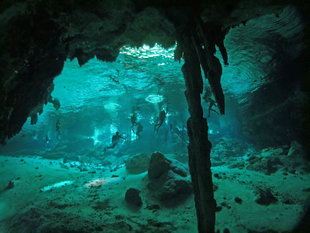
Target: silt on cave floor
[262,191]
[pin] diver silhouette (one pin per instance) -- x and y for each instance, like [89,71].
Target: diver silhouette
[139,129]
[208,99]
[115,140]
[160,120]
[57,125]
[133,120]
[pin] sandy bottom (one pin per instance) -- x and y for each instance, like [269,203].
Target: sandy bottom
[94,201]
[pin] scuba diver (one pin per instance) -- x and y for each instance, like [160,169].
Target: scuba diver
[212,103]
[136,127]
[139,129]
[133,120]
[47,139]
[58,128]
[115,78]
[115,140]
[160,120]
[208,99]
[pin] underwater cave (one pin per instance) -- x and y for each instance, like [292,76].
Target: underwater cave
[154,116]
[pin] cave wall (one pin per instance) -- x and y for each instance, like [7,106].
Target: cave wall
[276,115]
[276,112]
[266,78]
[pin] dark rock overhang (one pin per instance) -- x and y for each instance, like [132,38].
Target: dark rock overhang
[37,37]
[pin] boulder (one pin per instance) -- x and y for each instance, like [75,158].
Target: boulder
[159,165]
[268,161]
[132,197]
[272,152]
[227,148]
[296,150]
[178,168]
[138,164]
[168,180]
[265,197]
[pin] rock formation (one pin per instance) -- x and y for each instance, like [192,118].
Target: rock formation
[132,198]
[168,180]
[38,36]
[137,164]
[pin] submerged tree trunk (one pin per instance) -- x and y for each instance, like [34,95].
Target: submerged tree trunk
[199,146]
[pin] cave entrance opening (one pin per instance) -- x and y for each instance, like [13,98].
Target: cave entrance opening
[100,98]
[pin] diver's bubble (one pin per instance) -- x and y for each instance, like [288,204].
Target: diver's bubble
[154,99]
[112,106]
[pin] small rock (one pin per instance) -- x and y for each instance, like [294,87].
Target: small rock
[83,169]
[306,190]
[265,197]
[153,207]
[238,200]
[293,171]
[224,204]
[273,165]
[119,217]
[296,149]
[306,169]
[11,185]
[289,202]
[132,197]
[157,224]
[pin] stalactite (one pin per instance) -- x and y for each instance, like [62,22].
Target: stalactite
[193,46]
[199,146]
[210,64]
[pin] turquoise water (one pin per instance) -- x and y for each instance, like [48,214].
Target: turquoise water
[99,98]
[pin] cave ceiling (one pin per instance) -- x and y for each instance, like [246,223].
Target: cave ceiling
[39,36]
[145,71]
